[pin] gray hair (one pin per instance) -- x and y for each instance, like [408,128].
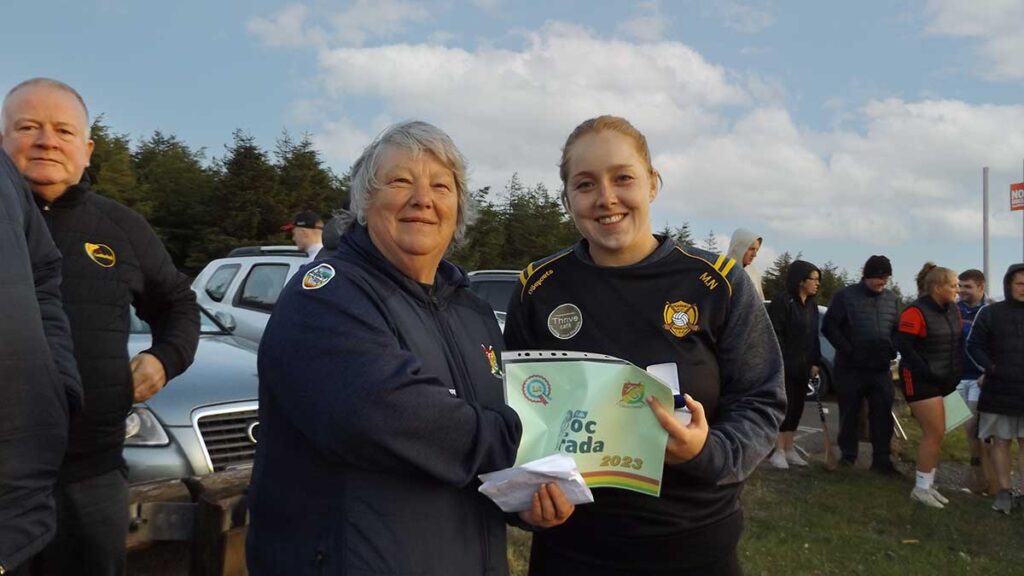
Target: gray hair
[416,137]
[47,83]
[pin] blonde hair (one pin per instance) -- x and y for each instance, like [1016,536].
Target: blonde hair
[932,275]
[600,124]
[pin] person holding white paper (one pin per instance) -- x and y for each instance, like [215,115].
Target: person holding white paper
[928,339]
[626,292]
[380,390]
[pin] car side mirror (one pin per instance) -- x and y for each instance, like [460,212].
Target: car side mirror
[227,320]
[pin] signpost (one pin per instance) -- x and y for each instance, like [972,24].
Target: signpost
[1017,196]
[1017,200]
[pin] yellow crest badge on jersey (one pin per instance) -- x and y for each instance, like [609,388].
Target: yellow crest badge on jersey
[101,254]
[680,318]
[318,277]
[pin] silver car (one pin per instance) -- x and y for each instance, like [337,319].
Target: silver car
[242,288]
[204,421]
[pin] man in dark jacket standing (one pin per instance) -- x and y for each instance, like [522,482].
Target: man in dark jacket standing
[39,383]
[996,345]
[859,324]
[112,260]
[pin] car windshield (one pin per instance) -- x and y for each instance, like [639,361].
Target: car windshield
[207,325]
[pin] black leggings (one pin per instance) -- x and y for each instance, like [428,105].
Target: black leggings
[796,392]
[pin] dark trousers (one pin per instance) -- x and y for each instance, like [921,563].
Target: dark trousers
[796,395]
[92,527]
[852,386]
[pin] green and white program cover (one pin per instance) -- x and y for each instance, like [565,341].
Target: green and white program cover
[592,407]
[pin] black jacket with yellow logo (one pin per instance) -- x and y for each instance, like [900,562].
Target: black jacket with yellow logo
[113,259]
[680,305]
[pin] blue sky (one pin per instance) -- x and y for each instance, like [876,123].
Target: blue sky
[834,129]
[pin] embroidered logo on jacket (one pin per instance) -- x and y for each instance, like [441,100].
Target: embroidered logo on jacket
[632,395]
[318,277]
[537,389]
[680,318]
[101,254]
[565,321]
[492,359]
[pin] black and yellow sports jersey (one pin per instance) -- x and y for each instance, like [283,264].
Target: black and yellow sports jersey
[679,305]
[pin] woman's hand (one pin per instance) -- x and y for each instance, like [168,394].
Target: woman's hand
[684,442]
[550,507]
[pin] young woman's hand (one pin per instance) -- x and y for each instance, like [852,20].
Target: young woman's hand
[549,508]
[684,442]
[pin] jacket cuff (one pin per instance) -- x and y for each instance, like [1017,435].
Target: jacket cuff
[703,466]
[173,366]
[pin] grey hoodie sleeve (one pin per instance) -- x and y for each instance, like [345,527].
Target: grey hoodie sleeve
[753,399]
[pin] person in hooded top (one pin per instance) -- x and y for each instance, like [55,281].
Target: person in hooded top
[996,345]
[743,248]
[794,315]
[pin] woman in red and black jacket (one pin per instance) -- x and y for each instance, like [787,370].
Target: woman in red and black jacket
[928,338]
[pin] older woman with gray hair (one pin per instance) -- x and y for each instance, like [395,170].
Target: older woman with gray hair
[380,391]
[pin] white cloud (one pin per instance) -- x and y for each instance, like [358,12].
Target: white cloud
[513,109]
[298,25]
[740,16]
[287,28]
[648,25]
[369,18]
[725,142]
[995,24]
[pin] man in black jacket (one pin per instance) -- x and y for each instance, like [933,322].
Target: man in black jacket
[996,345]
[39,383]
[112,260]
[859,324]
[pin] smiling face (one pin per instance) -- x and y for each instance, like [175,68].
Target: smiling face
[45,132]
[972,291]
[946,289]
[609,190]
[412,216]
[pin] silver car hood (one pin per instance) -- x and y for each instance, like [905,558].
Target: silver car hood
[224,371]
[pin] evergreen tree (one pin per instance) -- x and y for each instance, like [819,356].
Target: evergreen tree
[833,279]
[304,183]
[681,234]
[111,171]
[180,191]
[246,204]
[483,244]
[710,243]
[773,280]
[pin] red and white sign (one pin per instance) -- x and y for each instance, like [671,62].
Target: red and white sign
[1017,196]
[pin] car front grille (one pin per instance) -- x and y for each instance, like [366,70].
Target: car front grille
[227,435]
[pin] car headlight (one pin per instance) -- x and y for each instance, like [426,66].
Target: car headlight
[141,428]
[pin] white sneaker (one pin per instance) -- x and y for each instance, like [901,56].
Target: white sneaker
[925,496]
[935,494]
[778,460]
[792,457]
